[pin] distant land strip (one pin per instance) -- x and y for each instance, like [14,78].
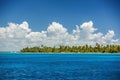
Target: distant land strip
[85,48]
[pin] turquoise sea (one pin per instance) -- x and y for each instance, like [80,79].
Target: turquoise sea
[45,66]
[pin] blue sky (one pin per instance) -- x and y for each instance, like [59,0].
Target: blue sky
[40,13]
[49,19]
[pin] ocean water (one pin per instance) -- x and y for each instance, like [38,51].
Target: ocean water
[44,66]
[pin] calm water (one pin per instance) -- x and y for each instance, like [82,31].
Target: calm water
[59,66]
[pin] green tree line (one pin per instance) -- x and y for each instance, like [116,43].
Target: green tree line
[85,48]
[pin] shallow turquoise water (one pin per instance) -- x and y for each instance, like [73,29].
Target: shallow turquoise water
[59,66]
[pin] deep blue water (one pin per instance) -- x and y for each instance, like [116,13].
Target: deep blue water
[59,66]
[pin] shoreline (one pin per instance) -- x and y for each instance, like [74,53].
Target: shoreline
[55,53]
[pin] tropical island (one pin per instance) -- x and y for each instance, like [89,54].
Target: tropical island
[85,48]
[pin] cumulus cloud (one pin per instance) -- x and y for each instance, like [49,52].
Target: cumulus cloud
[85,31]
[12,37]
[17,36]
[56,29]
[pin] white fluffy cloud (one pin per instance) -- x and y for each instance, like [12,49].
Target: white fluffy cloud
[12,37]
[17,36]
[85,31]
[56,29]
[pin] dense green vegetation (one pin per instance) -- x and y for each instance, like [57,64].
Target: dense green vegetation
[85,48]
